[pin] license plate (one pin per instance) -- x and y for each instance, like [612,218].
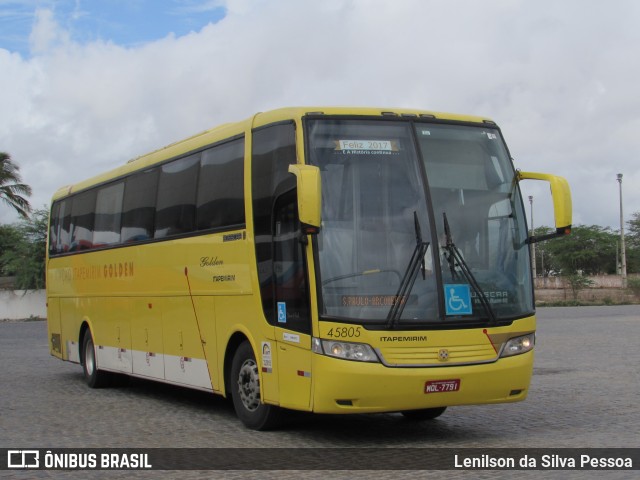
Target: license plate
[439,386]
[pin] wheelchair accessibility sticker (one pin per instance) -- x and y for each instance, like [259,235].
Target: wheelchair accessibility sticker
[282,312]
[457,299]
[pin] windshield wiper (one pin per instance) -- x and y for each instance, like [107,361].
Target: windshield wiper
[455,257]
[416,263]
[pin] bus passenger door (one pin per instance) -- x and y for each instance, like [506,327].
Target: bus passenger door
[293,319]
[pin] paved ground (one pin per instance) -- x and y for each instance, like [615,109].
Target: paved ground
[584,394]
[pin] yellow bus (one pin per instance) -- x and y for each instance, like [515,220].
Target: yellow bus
[330,260]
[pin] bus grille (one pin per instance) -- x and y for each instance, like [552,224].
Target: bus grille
[433,356]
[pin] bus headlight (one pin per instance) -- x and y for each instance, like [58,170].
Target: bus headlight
[360,352]
[519,345]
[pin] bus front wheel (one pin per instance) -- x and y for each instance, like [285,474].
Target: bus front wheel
[424,414]
[245,392]
[94,377]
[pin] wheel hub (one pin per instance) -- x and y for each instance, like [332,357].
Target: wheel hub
[249,385]
[89,358]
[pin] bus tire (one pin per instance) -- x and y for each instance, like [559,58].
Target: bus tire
[424,414]
[245,392]
[94,377]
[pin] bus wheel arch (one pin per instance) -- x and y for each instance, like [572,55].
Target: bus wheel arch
[232,345]
[242,385]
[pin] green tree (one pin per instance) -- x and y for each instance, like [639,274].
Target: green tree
[578,282]
[9,238]
[589,249]
[632,243]
[25,259]
[634,229]
[545,264]
[12,190]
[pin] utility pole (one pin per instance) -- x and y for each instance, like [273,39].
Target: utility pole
[623,256]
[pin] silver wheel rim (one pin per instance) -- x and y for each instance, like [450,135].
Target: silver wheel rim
[89,358]
[249,385]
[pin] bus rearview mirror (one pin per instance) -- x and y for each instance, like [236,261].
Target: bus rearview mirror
[562,209]
[309,195]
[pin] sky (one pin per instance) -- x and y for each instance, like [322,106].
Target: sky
[87,85]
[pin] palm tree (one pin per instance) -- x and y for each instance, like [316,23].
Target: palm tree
[11,188]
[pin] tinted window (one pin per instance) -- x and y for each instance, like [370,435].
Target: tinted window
[82,218]
[221,186]
[108,215]
[64,227]
[176,206]
[139,206]
[54,228]
[274,149]
[289,267]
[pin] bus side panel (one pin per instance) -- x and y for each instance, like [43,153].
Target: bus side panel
[294,374]
[146,339]
[70,322]
[184,357]
[205,309]
[111,323]
[53,327]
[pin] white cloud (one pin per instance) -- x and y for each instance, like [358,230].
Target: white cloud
[46,32]
[559,77]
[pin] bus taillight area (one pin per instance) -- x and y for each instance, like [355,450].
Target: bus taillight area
[360,387]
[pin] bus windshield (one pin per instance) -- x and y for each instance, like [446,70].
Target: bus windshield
[392,190]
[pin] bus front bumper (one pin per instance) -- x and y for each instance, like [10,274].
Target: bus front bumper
[359,387]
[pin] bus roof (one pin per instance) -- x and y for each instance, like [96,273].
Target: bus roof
[227,130]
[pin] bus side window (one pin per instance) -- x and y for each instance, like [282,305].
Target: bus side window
[274,149]
[64,236]
[54,228]
[108,215]
[139,206]
[221,186]
[289,268]
[176,205]
[82,218]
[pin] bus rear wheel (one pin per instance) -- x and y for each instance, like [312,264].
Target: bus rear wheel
[245,392]
[424,414]
[94,377]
